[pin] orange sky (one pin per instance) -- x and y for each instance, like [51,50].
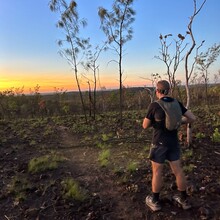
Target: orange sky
[67,82]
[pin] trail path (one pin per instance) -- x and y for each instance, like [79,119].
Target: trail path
[114,201]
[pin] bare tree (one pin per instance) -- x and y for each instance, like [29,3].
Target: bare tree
[72,45]
[171,61]
[204,61]
[117,27]
[216,77]
[91,64]
[188,73]
[155,77]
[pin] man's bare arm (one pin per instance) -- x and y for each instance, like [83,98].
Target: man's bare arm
[146,123]
[188,117]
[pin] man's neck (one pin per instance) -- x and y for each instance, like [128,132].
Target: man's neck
[161,96]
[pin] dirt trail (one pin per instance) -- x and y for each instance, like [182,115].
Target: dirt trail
[102,184]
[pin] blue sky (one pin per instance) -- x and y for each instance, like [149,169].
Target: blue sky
[29,52]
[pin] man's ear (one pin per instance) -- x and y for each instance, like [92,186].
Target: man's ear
[159,90]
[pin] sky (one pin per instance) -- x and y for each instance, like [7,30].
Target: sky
[29,51]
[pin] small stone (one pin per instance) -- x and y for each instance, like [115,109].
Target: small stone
[204,213]
[173,213]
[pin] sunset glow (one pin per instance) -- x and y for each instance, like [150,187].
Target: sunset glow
[29,51]
[47,83]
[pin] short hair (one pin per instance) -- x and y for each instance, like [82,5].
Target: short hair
[163,87]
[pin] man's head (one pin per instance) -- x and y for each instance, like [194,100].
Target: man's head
[163,87]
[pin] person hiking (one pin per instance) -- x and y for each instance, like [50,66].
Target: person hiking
[165,143]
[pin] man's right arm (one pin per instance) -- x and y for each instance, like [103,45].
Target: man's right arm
[146,123]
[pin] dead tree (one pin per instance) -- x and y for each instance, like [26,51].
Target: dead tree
[188,72]
[171,61]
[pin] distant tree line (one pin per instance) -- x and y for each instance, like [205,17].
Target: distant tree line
[15,104]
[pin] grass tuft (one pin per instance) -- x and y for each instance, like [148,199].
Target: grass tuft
[18,187]
[104,157]
[216,136]
[72,190]
[47,162]
[132,167]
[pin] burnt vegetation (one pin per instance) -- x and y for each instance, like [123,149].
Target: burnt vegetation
[55,165]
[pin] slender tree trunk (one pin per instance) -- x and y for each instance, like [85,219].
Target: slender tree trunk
[94,94]
[189,127]
[188,74]
[187,94]
[80,93]
[189,134]
[206,87]
[90,101]
[121,88]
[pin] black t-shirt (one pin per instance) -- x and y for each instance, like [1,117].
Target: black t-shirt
[161,135]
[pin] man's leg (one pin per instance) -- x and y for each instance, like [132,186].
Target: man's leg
[153,201]
[157,179]
[179,174]
[181,184]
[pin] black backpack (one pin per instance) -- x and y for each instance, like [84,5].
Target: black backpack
[173,114]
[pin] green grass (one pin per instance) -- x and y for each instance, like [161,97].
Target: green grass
[105,137]
[188,168]
[187,154]
[132,167]
[104,157]
[18,187]
[43,163]
[72,190]
[147,148]
[216,136]
[200,135]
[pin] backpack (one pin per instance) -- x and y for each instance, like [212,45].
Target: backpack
[173,114]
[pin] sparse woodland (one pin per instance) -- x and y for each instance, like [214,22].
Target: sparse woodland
[15,104]
[84,155]
[56,165]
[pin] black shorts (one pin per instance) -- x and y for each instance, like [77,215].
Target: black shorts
[160,153]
